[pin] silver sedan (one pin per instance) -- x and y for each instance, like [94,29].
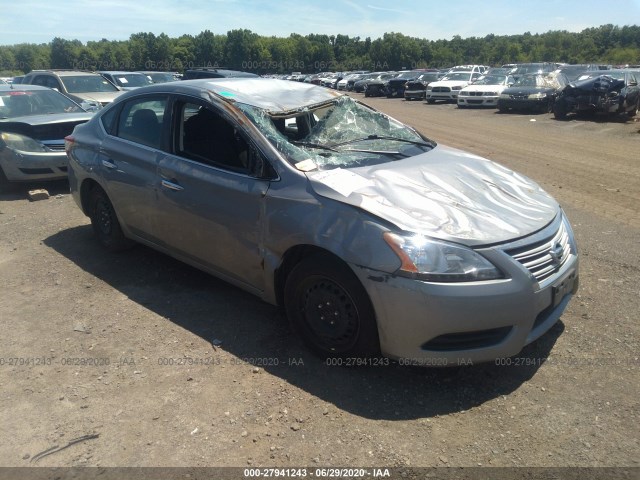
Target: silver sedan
[374,239]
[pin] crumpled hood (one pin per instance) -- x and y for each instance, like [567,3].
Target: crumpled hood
[444,193]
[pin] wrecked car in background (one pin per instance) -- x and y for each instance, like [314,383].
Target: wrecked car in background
[373,238]
[416,89]
[608,92]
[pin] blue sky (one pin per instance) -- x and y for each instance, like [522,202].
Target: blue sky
[39,21]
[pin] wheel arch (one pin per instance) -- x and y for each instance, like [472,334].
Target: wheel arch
[292,257]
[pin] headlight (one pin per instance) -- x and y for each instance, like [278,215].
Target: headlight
[22,143]
[490,94]
[437,261]
[456,88]
[429,87]
[505,95]
[464,94]
[537,96]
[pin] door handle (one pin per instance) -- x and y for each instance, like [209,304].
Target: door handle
[171,185]
[108,164]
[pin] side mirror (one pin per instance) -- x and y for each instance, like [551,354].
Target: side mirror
[257,165]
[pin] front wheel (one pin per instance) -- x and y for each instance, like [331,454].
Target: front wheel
[329,308]
[105,222]
[431,101]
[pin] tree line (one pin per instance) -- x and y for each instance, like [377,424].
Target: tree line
[243,49]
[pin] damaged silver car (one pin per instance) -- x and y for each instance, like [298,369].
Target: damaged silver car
[373,238]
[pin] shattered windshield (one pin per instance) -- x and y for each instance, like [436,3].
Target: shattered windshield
[343,133]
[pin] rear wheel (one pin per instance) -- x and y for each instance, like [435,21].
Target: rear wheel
[633,112]
[330,309]
[560,110]
[105,222]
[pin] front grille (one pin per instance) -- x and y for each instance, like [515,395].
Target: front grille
[544,258]
[441,89]
[519,97]
[475,94]
[56,147]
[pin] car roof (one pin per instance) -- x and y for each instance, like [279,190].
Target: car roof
[119,72]
[64,73]
[273,95]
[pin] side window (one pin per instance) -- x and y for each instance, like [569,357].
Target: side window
[141,121]
[109,121]
[206,137]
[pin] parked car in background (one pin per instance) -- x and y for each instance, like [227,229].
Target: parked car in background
[533,92]
[127,80]
[485,91]
[195,73]
[17,80]
[573,72]
[343,83]
[395,85]
[91,90]
[530,68]
[447,87]
[161,77]
[360,85]
[3,82]
[416,88]
[377,86]
[608,92]
[371,237]
[33,123]
[352,81]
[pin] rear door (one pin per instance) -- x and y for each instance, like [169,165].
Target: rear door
[129,158]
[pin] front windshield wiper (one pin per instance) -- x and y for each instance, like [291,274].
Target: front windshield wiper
[384,137]
[313,145]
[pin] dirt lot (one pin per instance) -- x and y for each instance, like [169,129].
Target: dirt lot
[171,367]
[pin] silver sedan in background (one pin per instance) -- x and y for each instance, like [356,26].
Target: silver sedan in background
[33,123]
[374,239]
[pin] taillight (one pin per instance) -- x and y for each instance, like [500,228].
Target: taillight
[68,142]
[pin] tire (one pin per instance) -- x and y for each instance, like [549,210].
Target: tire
[105,222]
[320,286]
[502,109]
[559,110]
[430,101]
[632,113]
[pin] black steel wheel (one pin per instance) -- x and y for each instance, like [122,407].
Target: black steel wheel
[105,222]
[329,308]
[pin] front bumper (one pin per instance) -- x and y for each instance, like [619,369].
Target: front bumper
[440,324]
[523,104]
[448,96]
[478,101]
[19,166]
[415,94]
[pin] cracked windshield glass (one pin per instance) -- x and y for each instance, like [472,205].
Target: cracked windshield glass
[340,134]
